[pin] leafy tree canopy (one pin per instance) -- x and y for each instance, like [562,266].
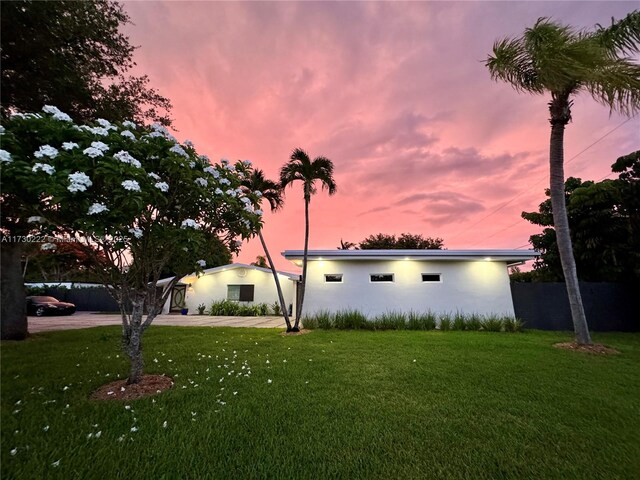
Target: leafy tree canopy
[71,54]
[604,220]
[406,241]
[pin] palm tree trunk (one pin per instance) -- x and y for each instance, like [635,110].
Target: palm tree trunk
[13,315]
[560,116]
[283,305]
[303,282]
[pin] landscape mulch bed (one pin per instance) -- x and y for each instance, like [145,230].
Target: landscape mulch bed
[596,348]
[148,386]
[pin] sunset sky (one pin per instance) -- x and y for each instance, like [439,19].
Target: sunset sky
[396,94]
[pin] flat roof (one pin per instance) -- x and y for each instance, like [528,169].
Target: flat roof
[509,256]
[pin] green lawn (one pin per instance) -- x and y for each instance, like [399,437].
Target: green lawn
[340,404]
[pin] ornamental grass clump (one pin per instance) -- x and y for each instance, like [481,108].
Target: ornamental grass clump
[459,321]
[492,323]
[391,321]
[473,322]
[445,322]
[421,321]
[349,320]
[512,325]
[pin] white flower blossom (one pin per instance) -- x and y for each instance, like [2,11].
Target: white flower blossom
[25,116]
[128,134]
[97,208]
[162,186]
[69,145]
[136,232]
[258,212]
[5,157]
[35,219]
[179,150]
[93,152]
[2,130]
[218,191]
[131,185]
[247,163]
[225,181]
[245,200]
[248,208]
[192,164]
[46,151]
[57,114]
[79,182]
[96,130]
[190,223]
[201,181]
[104,123]
[231,192]
[129,124]
[164,424]
[204,158]
[258,193]
[125,157]
[103,147]
[230,167]
[56,463]
[202,263]
[224,161]
[134,429]
[153,175]
[45,167]
[189,143]
[13,452]
[48,246]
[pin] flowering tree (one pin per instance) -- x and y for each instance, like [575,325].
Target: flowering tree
[143,201]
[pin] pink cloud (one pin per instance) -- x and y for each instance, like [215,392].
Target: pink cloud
[396,94]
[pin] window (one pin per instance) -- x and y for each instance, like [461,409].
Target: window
[381,277]
[240,293]
[333,278]
[431,277]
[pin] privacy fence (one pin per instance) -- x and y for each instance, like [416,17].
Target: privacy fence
[608,306]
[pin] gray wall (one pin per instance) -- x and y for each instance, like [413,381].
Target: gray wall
[608,306]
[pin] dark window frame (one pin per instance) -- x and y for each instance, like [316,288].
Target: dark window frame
[438,275]
[372,275]
[334,275]
[246,292]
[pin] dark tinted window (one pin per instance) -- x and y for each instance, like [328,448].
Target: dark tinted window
[333,278]
[381,277]
[430,277]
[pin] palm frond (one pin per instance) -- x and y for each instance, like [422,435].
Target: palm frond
[271,191]
[615,84]
[622,36]
[511,63]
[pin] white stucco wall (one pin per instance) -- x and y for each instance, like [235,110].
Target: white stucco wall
[213,287]
[475,286]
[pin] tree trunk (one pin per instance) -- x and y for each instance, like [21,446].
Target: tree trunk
[303,282]
[560,110]
[13,313]
[283,305]
[133,340]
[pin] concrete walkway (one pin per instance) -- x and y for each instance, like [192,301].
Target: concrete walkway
[88,320]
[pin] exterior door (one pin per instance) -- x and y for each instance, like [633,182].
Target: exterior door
[177,298]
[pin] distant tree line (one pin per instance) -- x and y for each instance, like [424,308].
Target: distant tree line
[406,241]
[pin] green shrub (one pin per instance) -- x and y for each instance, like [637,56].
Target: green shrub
[310,322]
[224,308]
[201,309]
[445,322]
[492,323]
[263,309]
[324,319]
[390,321]
[473,322]
[458,322]
[349,320]
[421,321]
[275,308]
[512,325]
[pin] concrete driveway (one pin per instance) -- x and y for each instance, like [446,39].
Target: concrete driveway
[88,320]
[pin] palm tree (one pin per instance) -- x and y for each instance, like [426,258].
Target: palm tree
[563,62]
[272,192]
[300,167]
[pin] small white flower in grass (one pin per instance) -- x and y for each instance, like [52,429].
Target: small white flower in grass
[65,388]
[97,208]
[128,134]
[125,157]
[57,114]
[45,167]
[134,429]
[155,360]
[202,263]
[14,452]
[153,175]
[79,182]
[122,389]
[131,185]
[46,428]
[121,438]
[90,436]
[414,360]
[46,151]
[235,393]
[56,463]
[202,181]
[190,223]
[98,434]
[110,392]
[193,414]
[267,361]
[5,157]
[269,381]
[129,124]
[164,425]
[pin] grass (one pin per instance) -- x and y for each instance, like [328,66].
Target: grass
[345,404]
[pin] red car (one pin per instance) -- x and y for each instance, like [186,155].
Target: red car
[40,306]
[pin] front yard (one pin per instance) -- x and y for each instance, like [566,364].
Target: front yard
[250,403]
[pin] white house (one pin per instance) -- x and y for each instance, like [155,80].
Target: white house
[245,284]
[379,281]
